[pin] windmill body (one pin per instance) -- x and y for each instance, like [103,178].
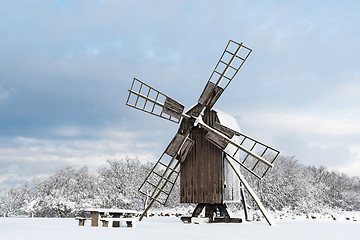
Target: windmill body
[201,179]
[203,147]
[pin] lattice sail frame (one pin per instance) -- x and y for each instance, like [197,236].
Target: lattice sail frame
[148,99]
[230,62]
[162,178]
[251,154]
[249,162]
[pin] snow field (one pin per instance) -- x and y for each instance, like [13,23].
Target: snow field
[173,228]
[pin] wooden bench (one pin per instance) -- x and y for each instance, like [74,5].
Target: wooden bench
[82,220]
[116,222]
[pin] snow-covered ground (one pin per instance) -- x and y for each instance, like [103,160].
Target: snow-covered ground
[173,228]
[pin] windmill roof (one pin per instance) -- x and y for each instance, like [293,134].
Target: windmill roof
[227,120]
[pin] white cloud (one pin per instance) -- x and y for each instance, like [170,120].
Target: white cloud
[310,137]
[302,122]
[67,131]
[351,170]
[25,158]
[75,150]
[341,99]
[349,90]
[291,66]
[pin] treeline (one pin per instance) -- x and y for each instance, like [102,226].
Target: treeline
[306,189]
[289,185]
[70,190]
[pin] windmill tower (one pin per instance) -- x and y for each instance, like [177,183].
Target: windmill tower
[203,145]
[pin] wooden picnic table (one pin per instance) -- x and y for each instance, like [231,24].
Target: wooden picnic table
[96,213]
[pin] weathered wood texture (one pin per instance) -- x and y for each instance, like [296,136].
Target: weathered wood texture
[188,144]
[210,95]
[173,108]
[175,144]
[201,172]
[224,130]
[94,219]
[217,140]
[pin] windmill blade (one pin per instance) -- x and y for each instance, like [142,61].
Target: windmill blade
[230,62]
[251,154]
[180,146]
[161,180]
[147,99]
[252,193]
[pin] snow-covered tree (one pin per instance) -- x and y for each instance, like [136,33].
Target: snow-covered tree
[121,181]
[64,193]
[289,185]
[13,200]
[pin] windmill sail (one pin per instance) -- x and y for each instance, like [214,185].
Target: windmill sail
[161,180]
[230,62]
[205,142]
[251,154]
[145,98]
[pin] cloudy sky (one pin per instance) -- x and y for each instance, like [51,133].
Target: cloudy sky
[66,66]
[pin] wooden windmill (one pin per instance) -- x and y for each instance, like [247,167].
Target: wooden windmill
[203,145]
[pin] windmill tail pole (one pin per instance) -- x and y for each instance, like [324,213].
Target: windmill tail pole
[252,194]
[148,207]
[244,202]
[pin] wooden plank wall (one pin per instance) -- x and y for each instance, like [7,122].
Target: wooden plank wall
[201,172]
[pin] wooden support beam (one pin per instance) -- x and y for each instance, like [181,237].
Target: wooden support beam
[267,216]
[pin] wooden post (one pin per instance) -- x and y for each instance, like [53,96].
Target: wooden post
[94,219]
[81,222]
[252,194]
[105,223]
[198,209]
[244,202]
